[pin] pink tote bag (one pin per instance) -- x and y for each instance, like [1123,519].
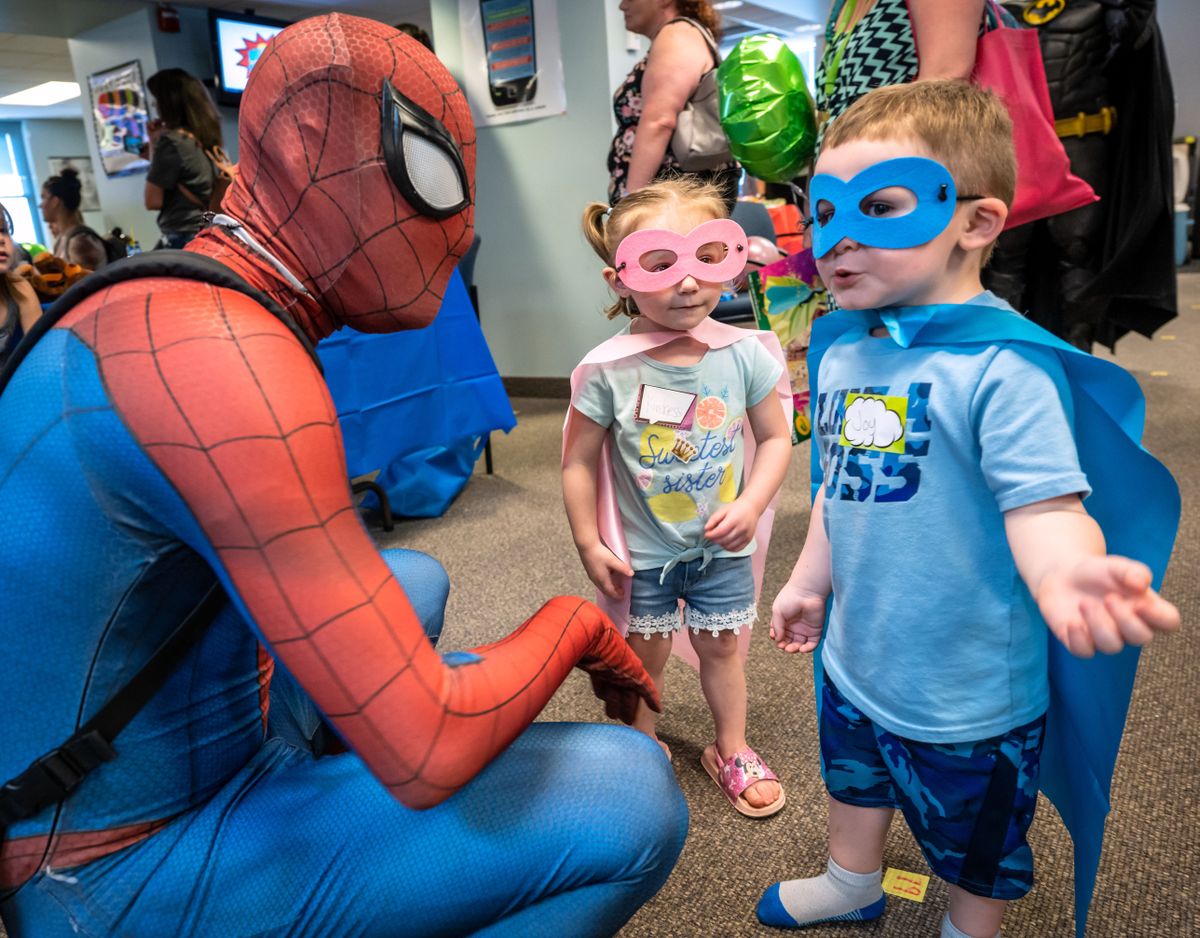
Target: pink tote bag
[1009,62]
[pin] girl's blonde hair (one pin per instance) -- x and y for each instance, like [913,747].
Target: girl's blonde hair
[605,226]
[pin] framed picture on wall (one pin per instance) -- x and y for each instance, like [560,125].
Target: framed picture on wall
[120,114]
[87,178]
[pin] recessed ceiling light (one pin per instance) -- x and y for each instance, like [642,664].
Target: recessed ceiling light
[728,5]
[48,92]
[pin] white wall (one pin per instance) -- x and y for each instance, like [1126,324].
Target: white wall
[418,15]
[191,50]
[101,47]
[136,36]
[624,49]
[1179,21]
[540,289]
[47,138]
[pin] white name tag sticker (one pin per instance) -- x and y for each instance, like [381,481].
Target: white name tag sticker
[665,407]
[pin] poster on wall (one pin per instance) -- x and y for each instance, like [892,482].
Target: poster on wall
[120,115]
[512,60]
[87,178]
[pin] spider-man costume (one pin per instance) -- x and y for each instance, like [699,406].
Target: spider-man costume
[165,430]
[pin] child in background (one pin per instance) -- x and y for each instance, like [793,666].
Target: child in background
[674,402]
[19,307]
[950,523]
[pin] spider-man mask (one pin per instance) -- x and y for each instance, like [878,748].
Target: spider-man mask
[357,169]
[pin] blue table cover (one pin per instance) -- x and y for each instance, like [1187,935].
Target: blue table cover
[418,405]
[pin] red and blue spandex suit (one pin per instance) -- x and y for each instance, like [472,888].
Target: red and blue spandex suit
[167,429]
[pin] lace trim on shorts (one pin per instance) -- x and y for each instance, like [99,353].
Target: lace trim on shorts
[721,621]
[646,626]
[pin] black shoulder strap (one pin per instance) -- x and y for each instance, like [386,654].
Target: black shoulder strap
[184,265]
[50,778]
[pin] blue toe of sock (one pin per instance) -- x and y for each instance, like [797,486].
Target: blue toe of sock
[770,910]
[874,910]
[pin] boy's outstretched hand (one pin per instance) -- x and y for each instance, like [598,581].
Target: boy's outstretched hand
[1103,604]
[797,619]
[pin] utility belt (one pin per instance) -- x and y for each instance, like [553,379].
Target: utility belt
[1082,124]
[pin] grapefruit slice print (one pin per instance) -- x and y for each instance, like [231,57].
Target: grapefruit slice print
[710,412]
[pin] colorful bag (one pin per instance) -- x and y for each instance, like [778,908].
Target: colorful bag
[1009,62]
[787,296]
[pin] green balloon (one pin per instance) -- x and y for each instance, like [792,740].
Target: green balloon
[766,111]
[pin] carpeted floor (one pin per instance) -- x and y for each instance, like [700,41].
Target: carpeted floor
[507,547]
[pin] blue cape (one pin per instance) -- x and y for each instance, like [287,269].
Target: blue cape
[1088,698]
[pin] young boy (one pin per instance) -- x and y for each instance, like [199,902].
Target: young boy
[950,523]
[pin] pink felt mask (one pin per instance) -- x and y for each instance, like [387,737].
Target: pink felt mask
[657,246]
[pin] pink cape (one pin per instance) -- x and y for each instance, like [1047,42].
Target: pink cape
[715,335]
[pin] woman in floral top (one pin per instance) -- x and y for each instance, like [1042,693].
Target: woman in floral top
[648,102]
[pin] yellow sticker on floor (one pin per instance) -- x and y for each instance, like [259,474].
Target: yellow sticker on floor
[904,884]
[1166,338]
[1158,374]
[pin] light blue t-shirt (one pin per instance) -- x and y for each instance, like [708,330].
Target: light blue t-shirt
[933,634]
[670,476]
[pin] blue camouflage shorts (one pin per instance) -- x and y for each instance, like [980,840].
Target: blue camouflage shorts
[969,805]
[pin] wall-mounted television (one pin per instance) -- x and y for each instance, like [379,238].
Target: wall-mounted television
[237,40]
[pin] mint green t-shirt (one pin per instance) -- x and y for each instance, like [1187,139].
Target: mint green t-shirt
[678,441]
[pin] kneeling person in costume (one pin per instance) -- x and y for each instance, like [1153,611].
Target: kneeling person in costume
[663,410]
[954,443]
[173,430]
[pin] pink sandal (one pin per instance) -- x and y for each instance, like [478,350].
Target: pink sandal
[737,773]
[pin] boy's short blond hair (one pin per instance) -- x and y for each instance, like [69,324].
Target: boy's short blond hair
[966,128]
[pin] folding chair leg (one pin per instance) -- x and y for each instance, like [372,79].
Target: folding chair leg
[385,509]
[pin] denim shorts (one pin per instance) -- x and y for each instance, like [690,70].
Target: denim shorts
[968,805]
[719,597]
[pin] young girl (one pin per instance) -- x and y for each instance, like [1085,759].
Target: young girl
[667,402]
[19,307]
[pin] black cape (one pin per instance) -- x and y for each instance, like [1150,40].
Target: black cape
[1136,279]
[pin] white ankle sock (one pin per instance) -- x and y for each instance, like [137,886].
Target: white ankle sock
[836,892]
[950,931]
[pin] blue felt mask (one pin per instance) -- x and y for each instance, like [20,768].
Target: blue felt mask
[928,180]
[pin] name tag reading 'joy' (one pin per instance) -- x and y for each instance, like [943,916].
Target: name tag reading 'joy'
[665,407]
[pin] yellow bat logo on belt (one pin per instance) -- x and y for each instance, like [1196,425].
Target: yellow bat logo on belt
[1042,11]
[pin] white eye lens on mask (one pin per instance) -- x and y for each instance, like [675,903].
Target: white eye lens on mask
[422,158]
